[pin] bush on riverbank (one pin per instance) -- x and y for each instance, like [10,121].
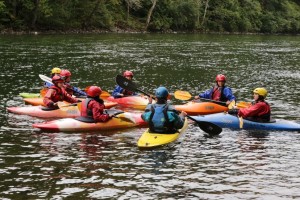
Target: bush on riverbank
[242,16]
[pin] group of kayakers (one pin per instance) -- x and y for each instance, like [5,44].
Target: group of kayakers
[161,116]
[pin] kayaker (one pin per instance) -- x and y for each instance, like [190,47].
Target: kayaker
[259,110]
[93,106]
[219,92]
[121,92]
[66,74]
[162,117]
[54,71]
[57,93]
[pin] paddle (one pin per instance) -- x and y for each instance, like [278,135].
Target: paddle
[184,95]
[47,79]
[207,127]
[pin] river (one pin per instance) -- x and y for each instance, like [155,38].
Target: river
[108,165]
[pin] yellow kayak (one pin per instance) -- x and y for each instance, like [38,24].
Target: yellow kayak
[149,140]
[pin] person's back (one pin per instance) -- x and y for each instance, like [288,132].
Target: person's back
[162,117]
[92,107]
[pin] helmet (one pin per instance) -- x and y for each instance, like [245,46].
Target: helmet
[128,73]
[55,70]
[161,92]
[57,79]
[65,72]
[221,77]
[94,91]
[261,91]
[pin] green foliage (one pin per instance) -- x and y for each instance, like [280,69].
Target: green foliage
[256,16]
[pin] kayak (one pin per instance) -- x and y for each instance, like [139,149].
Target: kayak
[37,111]
[30,95]
[135,102]
[123,120]
[225,120]
[39,102]
[201,108]
[150,140]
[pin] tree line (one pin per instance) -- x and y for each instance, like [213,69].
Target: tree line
[233,16]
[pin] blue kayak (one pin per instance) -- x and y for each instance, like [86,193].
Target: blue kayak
[225,120]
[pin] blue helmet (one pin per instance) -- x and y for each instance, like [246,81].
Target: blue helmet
[161,92]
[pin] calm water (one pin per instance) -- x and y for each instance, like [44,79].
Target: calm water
[108,165]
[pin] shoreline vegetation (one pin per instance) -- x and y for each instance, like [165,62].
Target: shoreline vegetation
[247,17]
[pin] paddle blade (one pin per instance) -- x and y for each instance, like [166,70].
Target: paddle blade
[210,128]
[45,78]
[125,83]
[182,95]
[243,104]
[231,105]
[241,122]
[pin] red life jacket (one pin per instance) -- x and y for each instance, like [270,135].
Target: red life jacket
[217,93]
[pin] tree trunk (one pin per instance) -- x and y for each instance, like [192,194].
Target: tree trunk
[198,3]
[150,14]
[88,20]
[35,13]
[204,15]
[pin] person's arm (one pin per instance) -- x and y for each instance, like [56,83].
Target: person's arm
[68,97]
[252,111]
[228,94]
[206,94]
[118,92]
[78,92]
[48,98]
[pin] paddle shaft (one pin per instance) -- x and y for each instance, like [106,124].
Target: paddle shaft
[214,101]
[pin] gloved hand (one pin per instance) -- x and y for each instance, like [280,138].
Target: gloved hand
[233,111]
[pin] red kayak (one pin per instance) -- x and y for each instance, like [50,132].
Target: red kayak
[37,111]
[201,108]
[121,121]
[135,102]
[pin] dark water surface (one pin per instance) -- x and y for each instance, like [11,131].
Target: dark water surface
[108,165]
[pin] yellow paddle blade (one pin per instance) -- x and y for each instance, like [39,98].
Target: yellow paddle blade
[182,95]
[66,106]
[231,105]
[243,104]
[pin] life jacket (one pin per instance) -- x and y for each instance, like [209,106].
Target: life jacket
[85,111]
[159,120]
[266,117]
[218,94]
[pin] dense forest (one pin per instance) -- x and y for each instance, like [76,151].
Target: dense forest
[233,16]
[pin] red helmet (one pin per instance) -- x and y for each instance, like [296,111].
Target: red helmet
[128,73]
[57,79]
[65,72]
[94,91]
[221,77]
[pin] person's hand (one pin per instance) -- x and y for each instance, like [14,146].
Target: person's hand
[228,102]
[233,111]
[183,114]
[196,97]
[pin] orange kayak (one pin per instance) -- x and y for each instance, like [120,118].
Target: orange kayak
[39,102]
[201,108]
[135,102]
[37,111]
[123,120]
